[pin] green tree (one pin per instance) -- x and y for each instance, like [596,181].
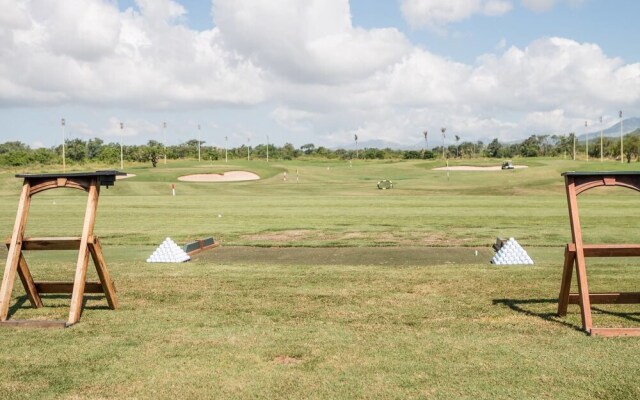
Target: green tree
[76,150]
[494,149]
[94,147]
[307,148]
[631,145]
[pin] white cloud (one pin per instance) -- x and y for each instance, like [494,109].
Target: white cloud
[496,7]
[550,86]
[292,119]
[88,52]
[556,72]
[437,13]
[539,5]
[312,41]
[546,5]
[130,127]
[13,15]
[85,30]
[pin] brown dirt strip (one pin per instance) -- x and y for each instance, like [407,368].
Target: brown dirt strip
[386,256]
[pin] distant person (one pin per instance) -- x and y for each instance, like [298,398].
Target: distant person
[284,177]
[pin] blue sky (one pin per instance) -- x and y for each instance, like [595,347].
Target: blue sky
[314,71]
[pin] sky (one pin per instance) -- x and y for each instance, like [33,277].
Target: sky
[314,71]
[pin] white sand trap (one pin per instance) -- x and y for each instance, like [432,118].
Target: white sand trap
[118,177]
[470,168]
[230,176]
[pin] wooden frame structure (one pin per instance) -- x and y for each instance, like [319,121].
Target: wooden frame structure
[576,252]
[87,244]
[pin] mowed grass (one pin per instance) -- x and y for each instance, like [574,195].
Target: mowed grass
[297,327]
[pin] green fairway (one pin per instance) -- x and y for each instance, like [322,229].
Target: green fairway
[326,287]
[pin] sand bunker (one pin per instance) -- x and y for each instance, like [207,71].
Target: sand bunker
[118,177]
[470,168]
[230,176]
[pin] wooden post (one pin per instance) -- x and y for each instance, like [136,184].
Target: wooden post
[576,235]
[15,249]
[83,254]
[565,286]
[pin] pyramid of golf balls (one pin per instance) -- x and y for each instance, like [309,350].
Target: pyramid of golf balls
[511,253]
[168,252]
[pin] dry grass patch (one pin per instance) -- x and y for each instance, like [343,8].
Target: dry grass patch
[287,360]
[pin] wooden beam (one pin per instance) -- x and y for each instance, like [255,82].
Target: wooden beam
[107,287]
[614,332]
[608,250]
[608,298]
[28,283]
[67,287]
[52,243]
[31,323]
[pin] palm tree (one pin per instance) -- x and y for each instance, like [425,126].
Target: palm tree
[425,139]
[457,145]
[443,130]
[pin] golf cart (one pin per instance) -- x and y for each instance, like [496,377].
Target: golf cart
[507,165]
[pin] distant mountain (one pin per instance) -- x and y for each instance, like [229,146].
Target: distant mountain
[628,125]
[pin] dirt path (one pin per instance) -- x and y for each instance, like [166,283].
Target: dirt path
[391,256]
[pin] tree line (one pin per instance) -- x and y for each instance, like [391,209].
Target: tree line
[78,151]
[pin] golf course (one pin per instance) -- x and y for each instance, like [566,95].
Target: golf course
[325,287]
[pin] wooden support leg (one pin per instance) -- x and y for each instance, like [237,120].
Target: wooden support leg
[83,254]
[15,248]
[581,271]
[565,286]
[583,290]
[101,267]
[28,283]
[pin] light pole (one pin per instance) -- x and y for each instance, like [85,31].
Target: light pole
[586,133]
[601,146]
[64,139]
[267,148]
[164,144]
[121,149]
[621,141]
[225,148]
[355,137]
[443,130]
[198,142]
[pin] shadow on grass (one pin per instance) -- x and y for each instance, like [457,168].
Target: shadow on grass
[520,305]
[631,316]
[20,303]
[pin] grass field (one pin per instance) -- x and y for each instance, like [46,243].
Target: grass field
[327,287]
